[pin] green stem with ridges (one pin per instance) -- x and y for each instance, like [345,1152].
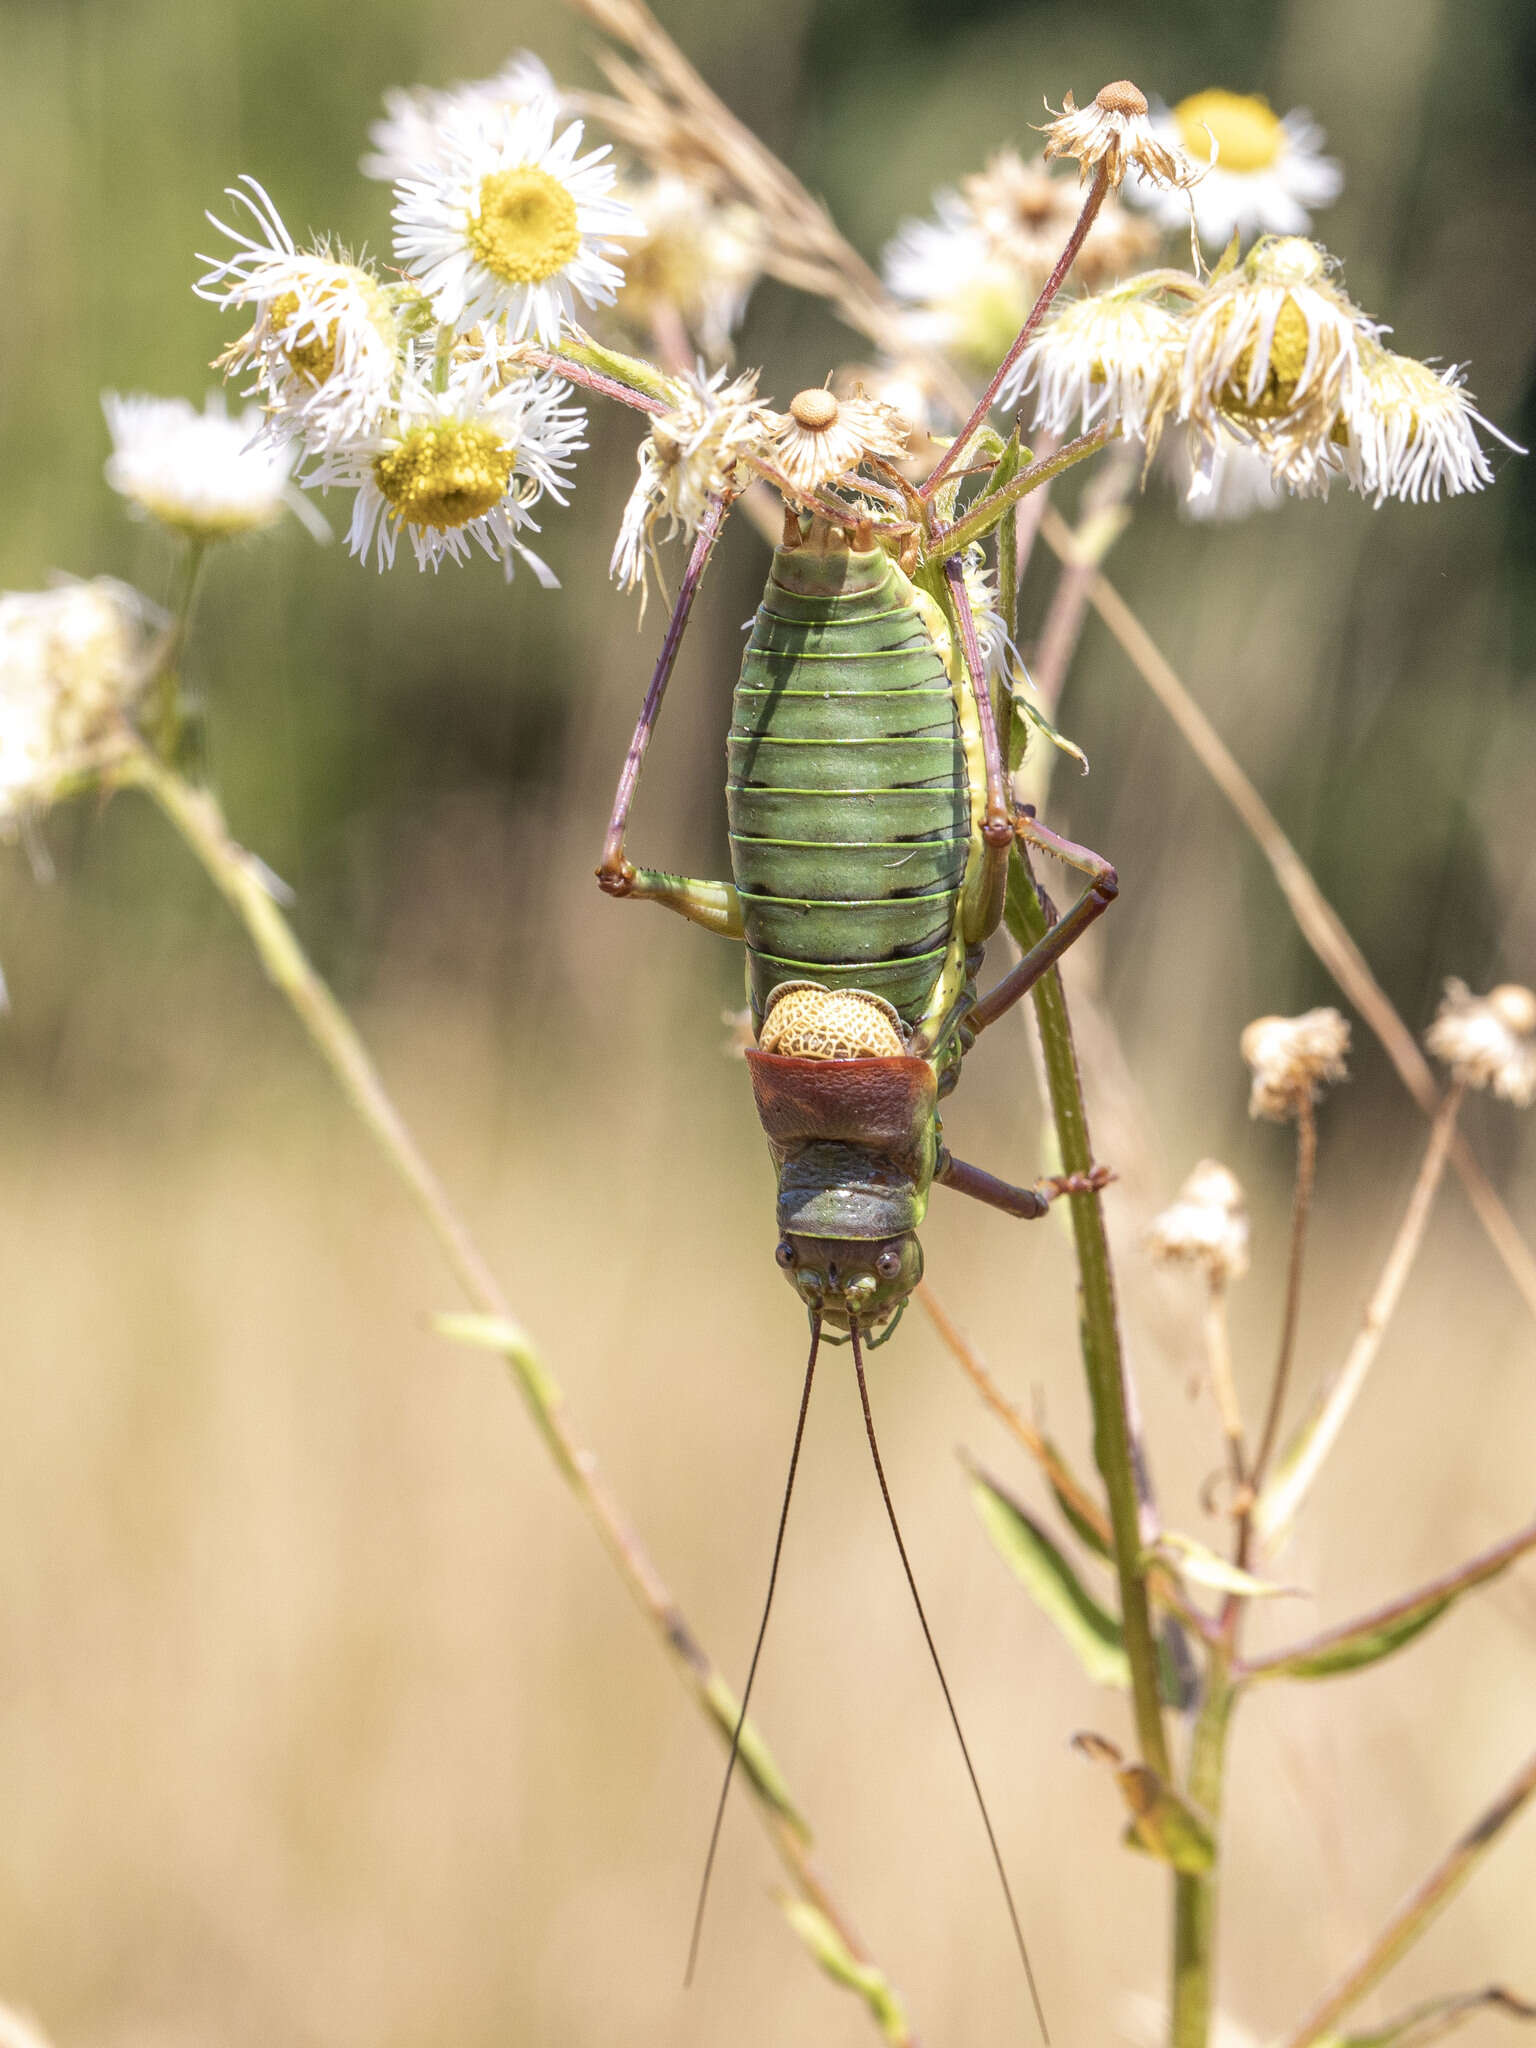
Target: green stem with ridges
[1195,1898]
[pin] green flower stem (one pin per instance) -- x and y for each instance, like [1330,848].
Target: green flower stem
[1195,1899]
[168,719]
[195,815]
[978,519]
[1098,1323]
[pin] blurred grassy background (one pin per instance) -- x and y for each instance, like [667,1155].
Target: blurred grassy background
[321,1718]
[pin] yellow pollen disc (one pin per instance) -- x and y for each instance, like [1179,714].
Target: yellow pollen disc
[1248,136]
[314,358]
[809,1023]
[445,476]
[1287,359]
[526,227]
[813,410]
[1121,97]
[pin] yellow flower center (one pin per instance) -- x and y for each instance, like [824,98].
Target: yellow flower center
[1287,359]
[1249,137]
[444,476]
[314,358]
[526,227]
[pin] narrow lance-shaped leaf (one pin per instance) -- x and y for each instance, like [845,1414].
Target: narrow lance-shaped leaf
[1203,1567]
[1093,1633]
[1357,1644]
[1434,2019]
[835,1957]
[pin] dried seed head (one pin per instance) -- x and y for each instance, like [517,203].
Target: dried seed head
[1487,1041]
[1116,133]
[822,437]
[1293,1059]
[1121,97]
[808,1022]
[1205,1225]
[814,410]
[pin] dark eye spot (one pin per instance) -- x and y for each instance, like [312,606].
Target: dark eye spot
[888,1265]
[784,1252]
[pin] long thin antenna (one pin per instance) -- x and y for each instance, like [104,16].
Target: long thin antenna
[986,1819]
[757,1650]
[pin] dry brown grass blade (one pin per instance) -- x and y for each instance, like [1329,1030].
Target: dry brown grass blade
[1317,920]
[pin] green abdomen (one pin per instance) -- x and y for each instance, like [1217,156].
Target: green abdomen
[847,791]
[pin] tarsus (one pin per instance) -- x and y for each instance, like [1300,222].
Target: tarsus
[986,1819]
[757,1650]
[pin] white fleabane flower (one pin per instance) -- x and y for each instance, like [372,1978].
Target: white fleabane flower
[1412,431]
[325,343]
[692,453]
[1115,357]
[200,473]
[1268,175]
[822,437]
[1487,1041]
[1222,479]
[1205,1225]
[407,140]
[464,463]
[697,261]
[1293,1059]
[72,659]
[509,226]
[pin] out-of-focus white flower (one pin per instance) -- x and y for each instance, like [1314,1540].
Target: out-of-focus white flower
[509,226]
[1487,1041]
[1221,479]
[1269,169]
[326,341]
[408,138]
[691,454]
[1115,357]
[1115,133]
[1274,351]
[200,473]
[1412,431]
[467,462]
[822,437]
[1205,1225]
[1292,1059]
[72,659]
[697,261]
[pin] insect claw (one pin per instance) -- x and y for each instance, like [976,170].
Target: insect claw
[616,881]
[1089,1183]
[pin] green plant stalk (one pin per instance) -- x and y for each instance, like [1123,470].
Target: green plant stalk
[196,817]
[1098,1322]
[1195,1899]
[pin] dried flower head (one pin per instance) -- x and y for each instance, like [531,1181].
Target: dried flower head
[200,473]
[1487,1041]
[1293,1059]
[691,454]
[1268,171]
[326,340]
[72,660]
[1026,214]
[1205,1225]
[508,226]
[1411,430]
[415,119]
[1115,132]
[1115,357]
[823,436]
[1274,350]
[695,263]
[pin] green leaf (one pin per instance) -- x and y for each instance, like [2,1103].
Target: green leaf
[1353,1649]
[1433,2020]
[1195,1562]
[1094,1634]
[1022,694]
[752,1753]
[1086,1534]
[834,1956]
[1165,1825]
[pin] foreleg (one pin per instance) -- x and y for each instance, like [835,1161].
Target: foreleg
[1024,1203]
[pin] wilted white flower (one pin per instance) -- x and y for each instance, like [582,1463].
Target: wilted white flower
[690,455]
[1114,132]
[72,659]
[1487,1041]
[1269,169]
[1205,1225]
[200,473]
[697,260]
[822,437]
[1221,478]
[1115,357]
[407,140]
[1292,1059]
[509,226]
[1027,214]
[467,462]
[1412,431]
[1274,351]
[326,341]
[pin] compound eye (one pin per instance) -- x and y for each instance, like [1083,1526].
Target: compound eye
[784,1252]
[888,1265]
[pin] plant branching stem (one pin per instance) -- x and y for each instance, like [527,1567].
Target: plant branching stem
[1415,1913]
[1301,1210]
[1196,1898]
[195,815]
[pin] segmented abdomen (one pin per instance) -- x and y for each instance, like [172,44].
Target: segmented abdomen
[847,791]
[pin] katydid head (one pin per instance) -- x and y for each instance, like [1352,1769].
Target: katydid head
[852,1282]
